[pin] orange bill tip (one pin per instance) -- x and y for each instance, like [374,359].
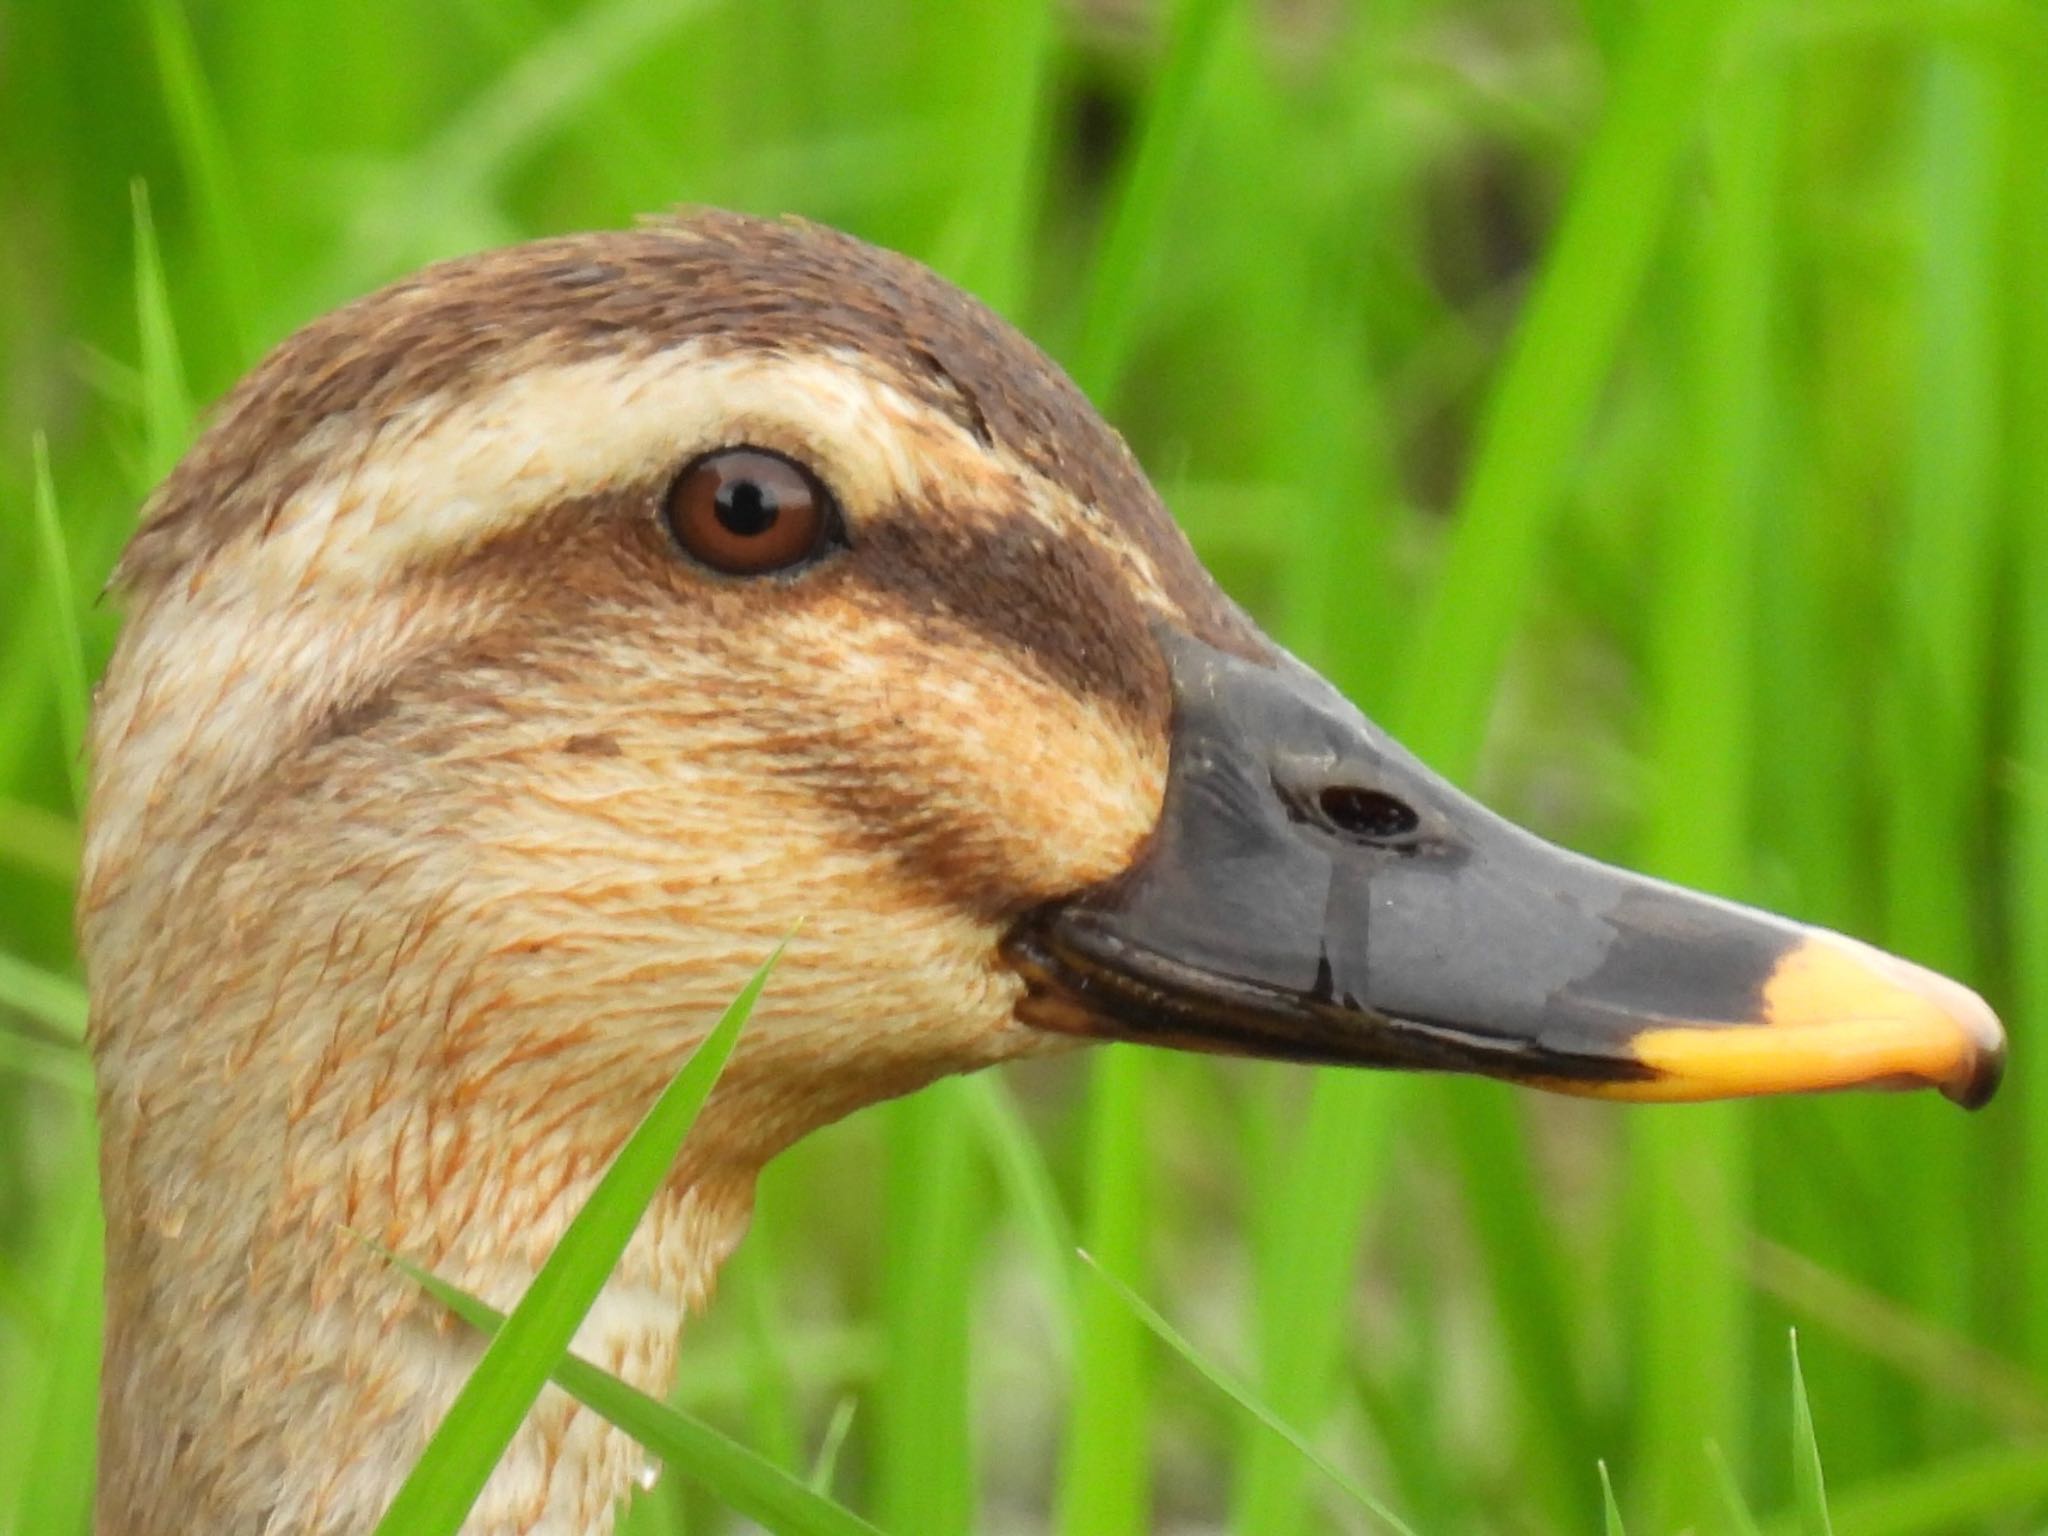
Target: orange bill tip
[1835,1014]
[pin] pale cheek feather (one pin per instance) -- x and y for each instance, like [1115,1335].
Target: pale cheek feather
[1058,787]
[204,696]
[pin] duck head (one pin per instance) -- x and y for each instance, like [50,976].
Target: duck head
[526,648]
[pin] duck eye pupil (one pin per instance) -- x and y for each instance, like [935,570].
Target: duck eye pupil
[747,508]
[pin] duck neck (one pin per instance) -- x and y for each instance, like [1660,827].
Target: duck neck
[266,1370]
[287,1078]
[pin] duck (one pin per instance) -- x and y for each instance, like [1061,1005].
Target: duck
[522,650]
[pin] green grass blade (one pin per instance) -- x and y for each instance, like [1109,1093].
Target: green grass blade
[1307,1264]
[1940,1359]
[60,1065]
[1611,1509]
[56,1001]
[1137,209]
[1246,1399]
[995,60]
[66,643]
[1563,352]
[623,148]
[748,1482]
[1935,704]
[1104,1482]
[166,399]
[482,143]
[2027,323]
[926,1477]
[825,1466]
[771,1397]
[208,167]
[53,1488]
[2001,1487]
[1484,1133]
[1692,1168]
[1536,419]
[1807,1480]
[437,1494]
[1735,1511]
[1022,1168]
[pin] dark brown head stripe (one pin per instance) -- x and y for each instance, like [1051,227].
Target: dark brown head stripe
[767,285]
[1061,607]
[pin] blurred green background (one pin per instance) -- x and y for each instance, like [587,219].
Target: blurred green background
[1640,407]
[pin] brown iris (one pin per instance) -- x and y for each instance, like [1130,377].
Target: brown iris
[746,510]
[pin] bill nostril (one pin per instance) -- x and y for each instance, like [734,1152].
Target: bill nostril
[1368,813]
[1353,811]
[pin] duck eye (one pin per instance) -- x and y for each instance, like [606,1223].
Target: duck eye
[745,511]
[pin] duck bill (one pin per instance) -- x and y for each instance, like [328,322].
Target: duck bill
[1312,892]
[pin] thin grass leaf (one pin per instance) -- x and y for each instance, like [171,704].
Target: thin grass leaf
[2026,320]
[1612,1509]
[925,1477]
[746,1481]
[1105,1469]
[53,1491]
[623,147]
[450,1473]
[1735,1509]
[1137,209]
[1999,1488]
[493,133]
[771,1398]
[208,167]
[1245,1399]
[1807,1479]
[1021,1166]
[61,1064]
[66,642]
[166,399]
[998,58]
[1690,1378]
[825,1467]
[1943,1359]
[1402,1410]
[56,1001]
[1563,351]
[1934,707]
